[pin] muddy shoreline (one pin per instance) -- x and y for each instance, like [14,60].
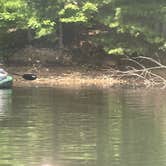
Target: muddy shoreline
[63,77]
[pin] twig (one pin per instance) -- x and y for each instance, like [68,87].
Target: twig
[146,74]
[150,59]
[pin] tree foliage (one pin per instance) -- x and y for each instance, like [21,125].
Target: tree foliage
[134,26]
[123,26]
[13,14]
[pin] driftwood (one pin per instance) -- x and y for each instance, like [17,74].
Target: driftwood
[140,74]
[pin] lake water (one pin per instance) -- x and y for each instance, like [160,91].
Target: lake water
[57,127]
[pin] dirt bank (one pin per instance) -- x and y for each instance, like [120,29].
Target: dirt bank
[64,77]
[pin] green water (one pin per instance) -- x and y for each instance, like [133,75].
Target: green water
[53,127]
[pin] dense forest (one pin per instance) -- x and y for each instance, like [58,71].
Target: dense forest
[107,27]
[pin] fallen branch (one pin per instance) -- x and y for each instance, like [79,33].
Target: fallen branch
[145,75]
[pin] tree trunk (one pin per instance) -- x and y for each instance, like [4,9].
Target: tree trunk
[29,36]
[61,45]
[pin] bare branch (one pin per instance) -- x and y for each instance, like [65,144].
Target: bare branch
[146,74]
[132,60]
[150,59]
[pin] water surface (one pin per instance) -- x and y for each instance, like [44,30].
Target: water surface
[55,127]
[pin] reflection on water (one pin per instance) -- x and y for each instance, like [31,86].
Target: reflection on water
[51,127]
[5,101]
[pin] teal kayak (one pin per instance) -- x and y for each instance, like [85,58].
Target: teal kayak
[6,83]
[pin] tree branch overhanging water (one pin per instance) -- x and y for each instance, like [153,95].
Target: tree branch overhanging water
[139,72]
